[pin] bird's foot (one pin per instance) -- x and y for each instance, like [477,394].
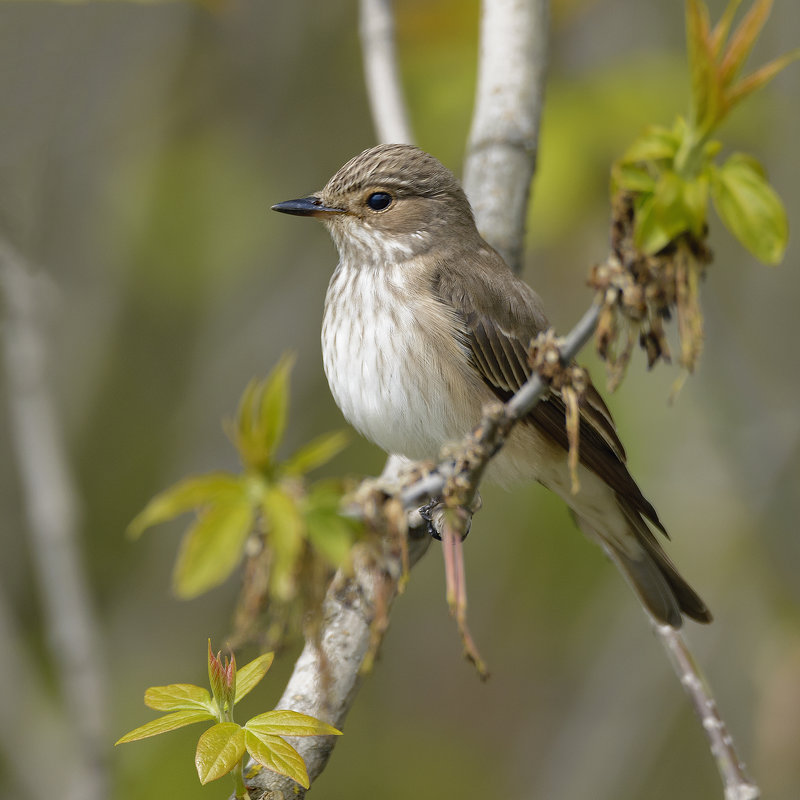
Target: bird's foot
[426,512]
[432,512]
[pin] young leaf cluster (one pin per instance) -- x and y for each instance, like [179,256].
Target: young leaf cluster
[221,748]
[672,172]
[661,188]
[270,498]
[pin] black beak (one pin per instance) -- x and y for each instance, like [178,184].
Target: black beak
[306,207]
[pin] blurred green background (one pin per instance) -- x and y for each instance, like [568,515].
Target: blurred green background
[142,145]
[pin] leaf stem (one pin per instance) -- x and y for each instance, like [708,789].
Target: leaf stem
[238,778]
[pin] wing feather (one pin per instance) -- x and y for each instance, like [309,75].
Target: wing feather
[497,330]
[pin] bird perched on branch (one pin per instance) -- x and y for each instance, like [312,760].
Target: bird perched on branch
[424,323]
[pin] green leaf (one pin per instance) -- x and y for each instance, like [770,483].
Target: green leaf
[655,143]
[750,208]
[755,80]
[196,492]
[649,234]
[244,416]
[325,495]
[219,750]
[632,178]
[285,537]
[706,86]
[261,418]
[274,403]
[248,676]
[316,453]
[278,755]
[169,722]
[743,39]
[211,549]
[666,214]
[177,696]
[722,28]
[331,534]
[282,722]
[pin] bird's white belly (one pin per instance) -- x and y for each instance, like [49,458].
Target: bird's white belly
[384,369]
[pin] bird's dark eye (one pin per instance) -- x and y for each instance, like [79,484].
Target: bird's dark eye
[377,201]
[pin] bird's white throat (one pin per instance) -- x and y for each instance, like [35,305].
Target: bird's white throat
[361,243]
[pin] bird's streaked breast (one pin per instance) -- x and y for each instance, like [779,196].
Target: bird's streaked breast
[392,361]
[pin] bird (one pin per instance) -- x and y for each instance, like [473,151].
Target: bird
[424,323]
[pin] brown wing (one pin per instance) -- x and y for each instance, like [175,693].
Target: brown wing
[500,315]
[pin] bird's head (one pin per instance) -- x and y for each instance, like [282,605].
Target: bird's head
[390,203]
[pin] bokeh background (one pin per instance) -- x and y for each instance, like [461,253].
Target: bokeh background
[142,145]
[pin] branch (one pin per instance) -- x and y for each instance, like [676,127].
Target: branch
[327,676]
[503,141]
[50,505]
[736,782]
[381,73]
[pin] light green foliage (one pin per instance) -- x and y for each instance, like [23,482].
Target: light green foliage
[749,207]
[269,497]
[671,172]
[212,547]
[221,748]
[178,695]
[251,674]
[169,722]
[261,420]
[276,754]
[288,723]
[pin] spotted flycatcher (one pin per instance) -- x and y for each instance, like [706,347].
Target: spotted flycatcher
[424,323]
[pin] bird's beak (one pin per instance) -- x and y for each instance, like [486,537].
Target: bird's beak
[306,207]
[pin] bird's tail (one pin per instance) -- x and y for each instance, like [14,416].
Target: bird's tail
[651,574]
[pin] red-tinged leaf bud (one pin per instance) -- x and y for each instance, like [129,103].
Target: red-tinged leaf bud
[230,682]
[222,678]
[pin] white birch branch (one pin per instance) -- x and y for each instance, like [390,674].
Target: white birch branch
[503,140]
[51,507]
[381,73]
[326,679]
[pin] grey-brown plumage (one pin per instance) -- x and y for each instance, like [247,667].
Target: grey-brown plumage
[424,323]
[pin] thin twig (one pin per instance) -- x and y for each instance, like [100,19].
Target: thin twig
[736,782]
[381,72]
[51,508]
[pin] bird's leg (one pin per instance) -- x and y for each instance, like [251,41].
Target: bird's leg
[454,531]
